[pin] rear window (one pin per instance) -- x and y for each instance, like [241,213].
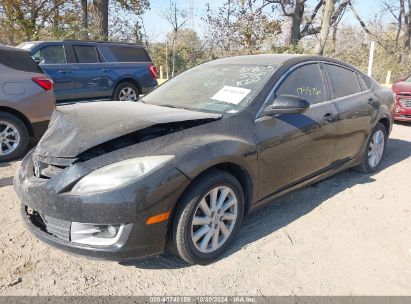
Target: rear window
[129,54]
[86,54]
[365,82]
[18,60]
[344,81]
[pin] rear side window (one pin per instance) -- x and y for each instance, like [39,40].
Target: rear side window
[86,54]
[344,81]
[306,82]
[18,60]
[365,82]
[53,54]
[129,54]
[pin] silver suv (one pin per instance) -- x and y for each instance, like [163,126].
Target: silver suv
[26,102]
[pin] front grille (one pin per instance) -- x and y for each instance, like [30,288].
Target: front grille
[46,167]
[58,228]
[406,103]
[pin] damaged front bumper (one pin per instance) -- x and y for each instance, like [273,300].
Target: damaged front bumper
[51,211]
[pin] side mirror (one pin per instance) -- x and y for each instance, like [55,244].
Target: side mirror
[287,104]
[36,60]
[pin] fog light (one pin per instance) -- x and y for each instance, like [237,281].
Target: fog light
[95,234]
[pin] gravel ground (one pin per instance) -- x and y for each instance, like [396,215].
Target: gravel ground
[348,235]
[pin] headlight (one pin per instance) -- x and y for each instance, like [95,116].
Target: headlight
[119,174]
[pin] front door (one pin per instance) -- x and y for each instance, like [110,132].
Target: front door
[293,147]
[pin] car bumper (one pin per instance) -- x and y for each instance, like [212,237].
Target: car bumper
[402,113]
[131,205]
[403,117]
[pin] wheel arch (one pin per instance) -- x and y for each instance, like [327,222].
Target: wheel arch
[387,124]
[20,116]
[236,170]
[128,79]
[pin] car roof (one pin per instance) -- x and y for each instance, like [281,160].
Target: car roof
[278,60]
[35,43]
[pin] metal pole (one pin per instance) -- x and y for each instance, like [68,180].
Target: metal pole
[167,59]
[371,60]
[388,78]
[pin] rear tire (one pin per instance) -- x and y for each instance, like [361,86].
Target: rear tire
[14,137]
[374,150]
[220,222]
[126,91]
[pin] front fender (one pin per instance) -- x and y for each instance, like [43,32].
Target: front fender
[216,150]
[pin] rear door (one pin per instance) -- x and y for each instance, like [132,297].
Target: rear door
[92,73]
[295,147]
[356,105]
[53,60]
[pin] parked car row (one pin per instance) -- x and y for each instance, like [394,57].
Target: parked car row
[73,70]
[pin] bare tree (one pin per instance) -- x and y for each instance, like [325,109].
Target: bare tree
[101,10]
[328,10]
[84,18]
[28,17]
[101,17]
[177,18]
[240,27]
[302,25]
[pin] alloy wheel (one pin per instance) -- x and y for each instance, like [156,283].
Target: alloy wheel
[376,149]
[128,94]
[214,219]
[9,138]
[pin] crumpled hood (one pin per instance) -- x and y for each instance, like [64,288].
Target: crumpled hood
[75,128]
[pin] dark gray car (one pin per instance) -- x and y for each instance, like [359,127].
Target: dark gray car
[182,167]
[26,102]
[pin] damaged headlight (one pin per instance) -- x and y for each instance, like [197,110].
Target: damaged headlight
[119,174]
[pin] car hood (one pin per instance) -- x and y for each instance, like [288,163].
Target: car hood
[76,128]
[402,87]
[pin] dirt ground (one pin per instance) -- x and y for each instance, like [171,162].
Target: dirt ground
[349,235]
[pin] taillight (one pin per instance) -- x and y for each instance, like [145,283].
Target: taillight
[153,70]
[46,83]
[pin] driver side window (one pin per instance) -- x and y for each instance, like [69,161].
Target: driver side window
[306,82]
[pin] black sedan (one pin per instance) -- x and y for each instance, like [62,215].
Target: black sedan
[181,168]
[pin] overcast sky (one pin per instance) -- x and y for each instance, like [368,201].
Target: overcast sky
[157,27]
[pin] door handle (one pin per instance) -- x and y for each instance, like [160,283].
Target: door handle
[373,102]
[106,70]
[330,117]
[65,71]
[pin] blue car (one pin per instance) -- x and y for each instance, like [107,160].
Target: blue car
[84,70]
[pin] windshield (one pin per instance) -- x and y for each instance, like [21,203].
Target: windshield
[215,88]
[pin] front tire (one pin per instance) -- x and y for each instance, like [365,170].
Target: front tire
[126,91]
[14,137]
[374,151]
[207,218]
